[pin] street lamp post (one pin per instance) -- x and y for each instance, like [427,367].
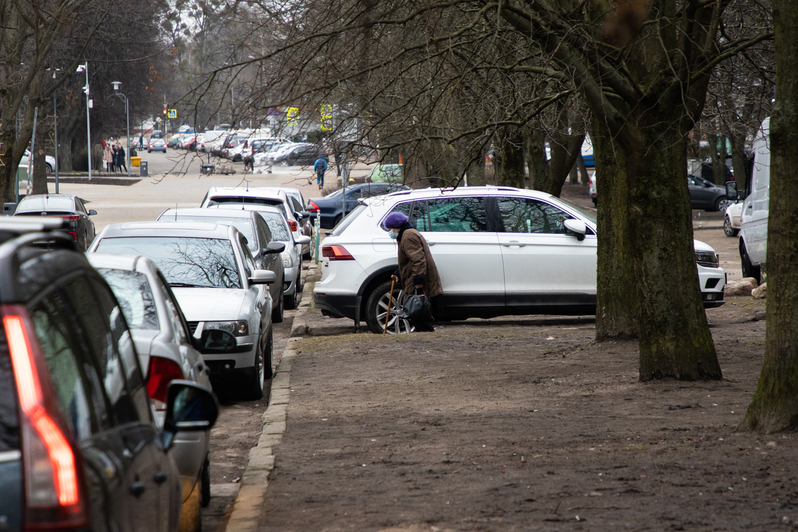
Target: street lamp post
[85,68]
[117,85]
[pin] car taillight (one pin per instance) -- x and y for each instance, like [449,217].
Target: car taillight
[292,225]
[162,372]
[71,217]
[74,235]
[55,496]
[336,253]
[312,207]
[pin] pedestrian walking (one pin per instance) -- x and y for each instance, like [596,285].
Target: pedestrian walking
[120,157]
[417,271]
[320,166]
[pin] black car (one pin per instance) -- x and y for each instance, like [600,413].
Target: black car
[330,208]
[79,449]
[706,195]
[70,208]
[301,155]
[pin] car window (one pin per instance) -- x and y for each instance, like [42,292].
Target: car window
[134,293]
[199,262]
[244,226]
[263,231]
[357,194]
[173,309]
[9,422]
[277,226]
[459,215]
[64,353]
[524,215]
[249,263]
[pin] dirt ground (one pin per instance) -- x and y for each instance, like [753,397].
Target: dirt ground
[522,424]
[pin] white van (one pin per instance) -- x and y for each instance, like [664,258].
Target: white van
[754,220]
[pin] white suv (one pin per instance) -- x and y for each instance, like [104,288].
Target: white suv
[499,251]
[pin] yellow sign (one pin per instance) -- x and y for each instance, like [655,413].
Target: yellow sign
[172,113]
[326,117]
[291,115]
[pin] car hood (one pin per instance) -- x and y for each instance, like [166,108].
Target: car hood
[210,304]
[702,246]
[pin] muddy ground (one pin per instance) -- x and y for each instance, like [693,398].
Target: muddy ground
[522,424]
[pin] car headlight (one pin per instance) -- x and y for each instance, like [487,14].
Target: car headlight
[707,258]
[288,262]
[237,328]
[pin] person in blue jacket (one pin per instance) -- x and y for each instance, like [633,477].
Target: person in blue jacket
[320,166]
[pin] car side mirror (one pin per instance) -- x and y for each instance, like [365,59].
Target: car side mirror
[262,277]
[92,212]
[274,247]
[9,208]
[302,239]
[301,215]
[190,407]
[731,190]
[576,228]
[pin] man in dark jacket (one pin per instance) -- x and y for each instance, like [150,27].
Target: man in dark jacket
[417,269]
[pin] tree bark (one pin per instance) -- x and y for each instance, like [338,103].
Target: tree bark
[509,161]
[536,158]
[775,403]
[564,150]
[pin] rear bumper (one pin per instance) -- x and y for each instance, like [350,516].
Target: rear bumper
[343,306]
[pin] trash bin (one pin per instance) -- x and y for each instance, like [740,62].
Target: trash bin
[135,161]
[143,169]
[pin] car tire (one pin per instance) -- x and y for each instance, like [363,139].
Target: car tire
[749,270]
[728,230]
[595,202]
[336,220]
[205,483]
[49,169]
[190,512]
[256,376]
[292,300]
[277,311]
[377,308]
[722,203]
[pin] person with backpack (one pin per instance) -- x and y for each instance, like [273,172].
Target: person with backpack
[320,166]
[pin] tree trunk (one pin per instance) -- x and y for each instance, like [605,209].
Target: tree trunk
[739,164]
[509,161]
[476,170]
[672,343]
[775,403]
[616,300]
[39,178]
[536,158]
[564,150]
[580,163]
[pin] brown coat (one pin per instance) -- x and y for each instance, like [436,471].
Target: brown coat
[416,260]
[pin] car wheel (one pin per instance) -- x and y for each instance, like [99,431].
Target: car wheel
[722,203]
[300,286]
[268,357]
[336,220]
[377,310]
[205,483]
[728,230]
[277,311]
[749,270]
[255,376]
[292,299]
[49,169]
[190,514]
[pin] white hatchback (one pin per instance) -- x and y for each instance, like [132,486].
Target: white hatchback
[499,251]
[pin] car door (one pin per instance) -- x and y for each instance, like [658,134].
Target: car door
[269,261]
[543,264]
[465,251]
[701,196]
[147,468]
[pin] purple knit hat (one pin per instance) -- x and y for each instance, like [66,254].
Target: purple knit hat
[395,220]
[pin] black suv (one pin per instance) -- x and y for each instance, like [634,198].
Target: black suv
[79,449]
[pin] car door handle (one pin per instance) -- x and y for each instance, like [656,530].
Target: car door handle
[160,477]
[137,488]
[513,243]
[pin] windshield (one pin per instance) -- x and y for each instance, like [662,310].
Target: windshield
[193,262]
[579,210]
[244,226]
[45,203]
[132,289]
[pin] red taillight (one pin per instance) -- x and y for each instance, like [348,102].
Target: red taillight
[162,372]
[74,235]
[292,225]
[71,217]
[54,491]
[336,253]
[313,207]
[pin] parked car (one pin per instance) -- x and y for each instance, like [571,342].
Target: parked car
[260,151]
[167,351]
[304,221]
[69,207]
[386,173]
[175,140]
[499,251]
[731,219]
[300,155]
[213,275]
[297,219]
[330,208]
[188,142]
[265,251]
[281,232]
[48,159]
[156,145]
[79,448]
[706,195]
